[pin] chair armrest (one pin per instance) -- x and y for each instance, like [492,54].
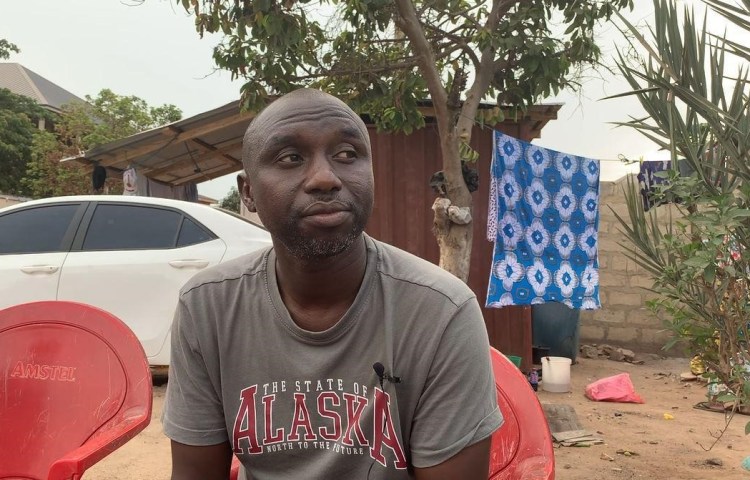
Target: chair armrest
[102,443]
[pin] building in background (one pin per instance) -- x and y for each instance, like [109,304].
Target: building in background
[22,81]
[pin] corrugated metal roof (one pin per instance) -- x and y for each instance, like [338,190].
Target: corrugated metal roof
[22,81]
[195,149]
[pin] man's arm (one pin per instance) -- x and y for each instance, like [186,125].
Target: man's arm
[471,463]
[193,415]
[458,411]
[201,463]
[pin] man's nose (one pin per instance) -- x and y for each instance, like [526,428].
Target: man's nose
[321,175]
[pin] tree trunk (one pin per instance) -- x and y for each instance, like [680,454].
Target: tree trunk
[453,224]
[455,246]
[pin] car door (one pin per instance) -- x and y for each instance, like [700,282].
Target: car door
[131,260]
[33,244]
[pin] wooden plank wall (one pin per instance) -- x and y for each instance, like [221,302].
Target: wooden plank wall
[403,165]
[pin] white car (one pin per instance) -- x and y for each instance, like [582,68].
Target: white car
[126,255]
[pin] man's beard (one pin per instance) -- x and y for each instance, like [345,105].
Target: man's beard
[307,248]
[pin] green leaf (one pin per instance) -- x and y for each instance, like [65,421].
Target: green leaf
[726,397]
[696,262]
[710,274]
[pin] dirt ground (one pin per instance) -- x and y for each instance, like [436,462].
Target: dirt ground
[662,449]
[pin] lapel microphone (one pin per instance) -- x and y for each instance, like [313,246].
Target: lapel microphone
[380,372]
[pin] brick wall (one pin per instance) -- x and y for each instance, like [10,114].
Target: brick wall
[623,318]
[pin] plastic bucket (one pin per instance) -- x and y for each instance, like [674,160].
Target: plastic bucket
[556,374]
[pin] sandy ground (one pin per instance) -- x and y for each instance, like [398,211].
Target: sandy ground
[662,449]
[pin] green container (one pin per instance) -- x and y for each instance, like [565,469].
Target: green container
[557,327]
[516,360]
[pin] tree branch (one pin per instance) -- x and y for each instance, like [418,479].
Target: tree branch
[407,22]
[407,62]
[384,40]
[484,72]
[463,14]
[427,5]
[410,62]
[459,42]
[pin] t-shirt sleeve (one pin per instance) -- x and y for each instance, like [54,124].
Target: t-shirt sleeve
[459,405]
[193,413]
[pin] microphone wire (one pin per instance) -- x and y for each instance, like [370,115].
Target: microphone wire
[380,372]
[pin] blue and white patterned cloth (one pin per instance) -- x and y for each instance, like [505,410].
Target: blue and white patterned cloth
[544,220]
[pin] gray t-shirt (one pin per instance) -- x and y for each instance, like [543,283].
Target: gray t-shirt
[300,404]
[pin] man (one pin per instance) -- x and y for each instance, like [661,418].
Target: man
[330,355]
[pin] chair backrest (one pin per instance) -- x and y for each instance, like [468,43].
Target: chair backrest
[74,386]
[522,447]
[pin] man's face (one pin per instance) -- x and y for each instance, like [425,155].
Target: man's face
[309,175]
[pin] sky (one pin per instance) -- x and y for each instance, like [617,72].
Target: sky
[152,50]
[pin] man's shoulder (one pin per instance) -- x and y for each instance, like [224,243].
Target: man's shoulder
[227,273]
[416,273]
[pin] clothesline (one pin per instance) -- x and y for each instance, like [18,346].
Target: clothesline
[623,159]
[614,160]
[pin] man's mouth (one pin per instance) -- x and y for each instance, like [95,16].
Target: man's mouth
[322,208]
[326,214]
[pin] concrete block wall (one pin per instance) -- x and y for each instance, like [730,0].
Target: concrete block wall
[624,318]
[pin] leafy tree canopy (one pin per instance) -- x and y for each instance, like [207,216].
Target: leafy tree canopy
[18,124]
[6,48]
[81,126]
[231,201]
[115,116]
[363,50]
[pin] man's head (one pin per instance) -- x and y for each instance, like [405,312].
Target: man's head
[308,173]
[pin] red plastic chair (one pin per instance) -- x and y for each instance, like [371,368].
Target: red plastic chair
[516,453]
[75,386]
[522,448]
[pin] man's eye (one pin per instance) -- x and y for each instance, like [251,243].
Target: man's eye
[346,155]
[291,158]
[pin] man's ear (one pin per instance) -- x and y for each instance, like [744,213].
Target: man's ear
[246,192]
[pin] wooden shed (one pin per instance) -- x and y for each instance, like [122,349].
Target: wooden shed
[209,145]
